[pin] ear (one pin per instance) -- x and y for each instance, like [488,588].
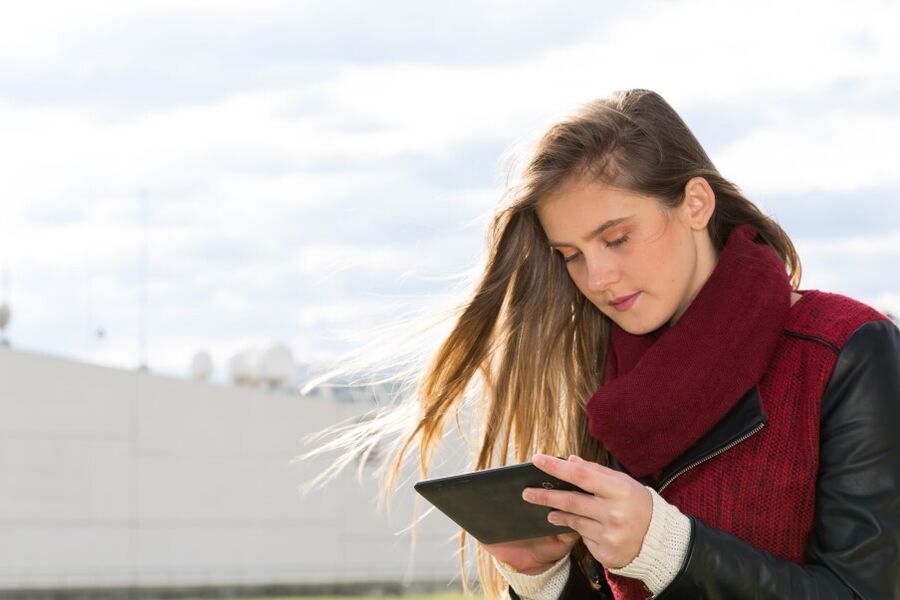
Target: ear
[699,202]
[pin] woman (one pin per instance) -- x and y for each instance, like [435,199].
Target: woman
[638,315]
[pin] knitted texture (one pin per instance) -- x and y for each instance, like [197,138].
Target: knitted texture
[543,586]
[664,548]
[662,553]
[665,390]
[747,490]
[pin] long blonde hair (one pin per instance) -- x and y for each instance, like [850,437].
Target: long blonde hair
[534,344]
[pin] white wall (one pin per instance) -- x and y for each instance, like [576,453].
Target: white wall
[112,477]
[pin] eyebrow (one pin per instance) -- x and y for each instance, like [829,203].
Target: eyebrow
[597,231]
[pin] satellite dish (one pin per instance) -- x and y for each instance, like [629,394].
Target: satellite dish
[244,368]
[277,366]
[201,366]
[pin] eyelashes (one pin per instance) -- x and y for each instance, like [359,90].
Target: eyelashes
[610,244]
[617,241]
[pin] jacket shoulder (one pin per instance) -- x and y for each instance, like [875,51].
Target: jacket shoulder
[828,318]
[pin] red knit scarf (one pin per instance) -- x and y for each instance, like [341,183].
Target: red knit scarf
[664,390]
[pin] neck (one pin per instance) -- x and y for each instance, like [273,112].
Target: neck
[707,257]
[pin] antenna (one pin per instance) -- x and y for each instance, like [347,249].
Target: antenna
[5,312]
[142,312]
[4,321]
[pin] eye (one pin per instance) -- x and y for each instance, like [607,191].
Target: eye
[572,254]
[567,257]
[617,241]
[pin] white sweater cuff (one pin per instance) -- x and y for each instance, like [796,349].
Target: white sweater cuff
[543,586]
[664,548]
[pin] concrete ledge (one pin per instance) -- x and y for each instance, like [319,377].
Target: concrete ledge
[374,588]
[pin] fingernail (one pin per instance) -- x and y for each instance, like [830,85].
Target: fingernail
[553,518]
[527,494]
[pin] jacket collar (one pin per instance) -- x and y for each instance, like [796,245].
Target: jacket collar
[742,421]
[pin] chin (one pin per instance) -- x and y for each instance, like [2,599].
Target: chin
[639,330]
[639,327]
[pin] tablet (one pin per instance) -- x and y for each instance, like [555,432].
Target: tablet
[488,504]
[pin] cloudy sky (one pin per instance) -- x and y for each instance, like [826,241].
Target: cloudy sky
[294,171]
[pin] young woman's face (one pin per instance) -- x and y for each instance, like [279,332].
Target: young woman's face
[637,261]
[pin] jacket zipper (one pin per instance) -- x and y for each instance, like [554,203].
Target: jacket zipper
[710,456]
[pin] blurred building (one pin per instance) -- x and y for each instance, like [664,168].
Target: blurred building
[114,478]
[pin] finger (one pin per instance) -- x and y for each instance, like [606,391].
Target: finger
[585,527]
[573,502]
[602,481]
[535,545]
[577,459]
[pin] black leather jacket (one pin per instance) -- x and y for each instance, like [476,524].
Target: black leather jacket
[854,551]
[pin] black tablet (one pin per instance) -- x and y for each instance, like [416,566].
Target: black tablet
[488,504]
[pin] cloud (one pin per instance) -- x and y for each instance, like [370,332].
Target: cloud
[834,152]
[889,302]
[861,266]
[305,168]
[833,213]
[122,59]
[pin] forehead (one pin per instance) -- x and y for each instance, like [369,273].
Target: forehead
[582,205]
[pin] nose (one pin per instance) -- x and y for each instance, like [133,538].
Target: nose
[602,272]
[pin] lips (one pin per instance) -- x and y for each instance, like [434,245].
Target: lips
[624,302]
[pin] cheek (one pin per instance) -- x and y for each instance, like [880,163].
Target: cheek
[578,277]
[663,262]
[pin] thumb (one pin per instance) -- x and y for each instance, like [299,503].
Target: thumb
[569,538]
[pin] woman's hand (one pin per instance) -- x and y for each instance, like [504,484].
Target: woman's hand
[533,556]
[612,519]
